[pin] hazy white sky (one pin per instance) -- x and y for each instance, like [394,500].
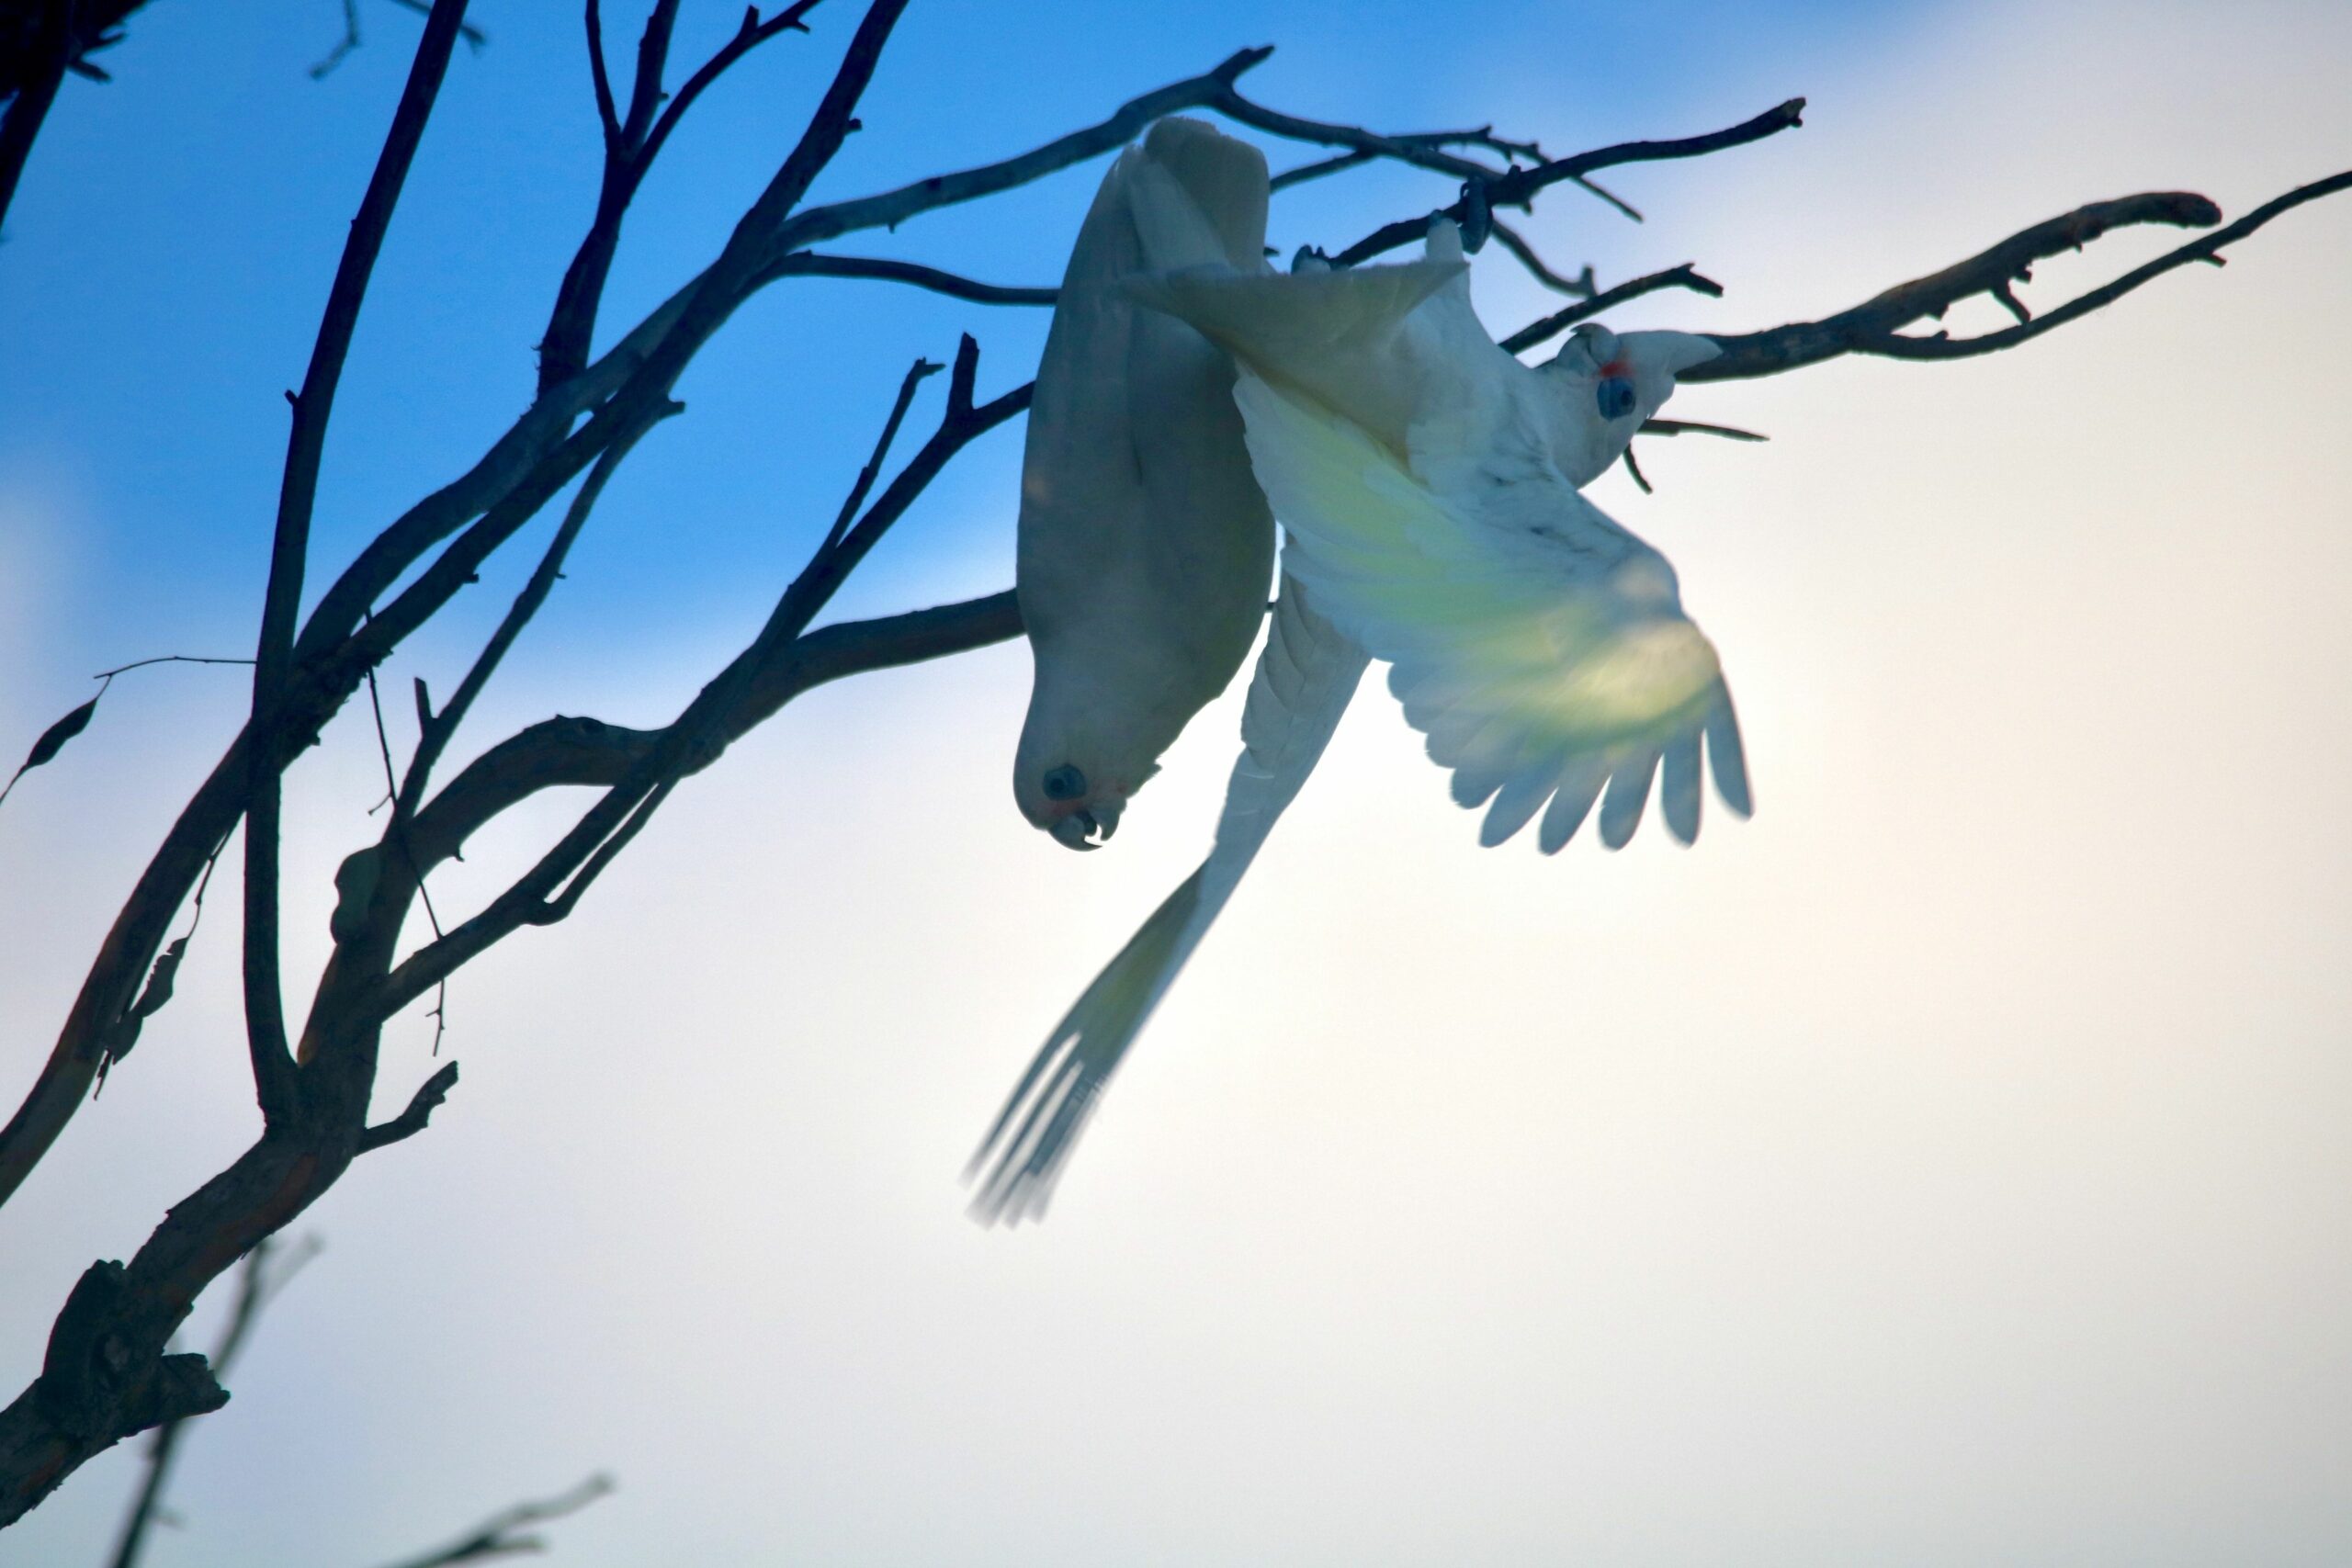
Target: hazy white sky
[1946,1167]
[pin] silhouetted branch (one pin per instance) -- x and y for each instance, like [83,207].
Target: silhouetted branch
[630,145]
[273,1064]
[257,1284]
[1694,427]
[498,1535]
[1582,287]
[1873,326]
[1484,137]
[421,1107]
[45,57]
[1551,326]
[1518,187]
[562,752]
[696,737]
[916,374]
[475,37]
[810,263]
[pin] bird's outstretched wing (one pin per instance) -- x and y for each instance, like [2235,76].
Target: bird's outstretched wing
[1541,647]
[1304,677]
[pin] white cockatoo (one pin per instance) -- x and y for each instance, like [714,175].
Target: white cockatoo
[1146,546]
[1427,482]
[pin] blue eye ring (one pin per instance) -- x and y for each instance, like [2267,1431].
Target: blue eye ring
[1615,396]
[1064,783]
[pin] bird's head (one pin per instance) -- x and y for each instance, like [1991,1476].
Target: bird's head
[1632,373]
[1607,383]
[1071,781]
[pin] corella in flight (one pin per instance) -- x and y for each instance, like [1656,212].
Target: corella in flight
[1427,482]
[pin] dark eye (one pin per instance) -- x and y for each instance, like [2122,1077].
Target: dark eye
[1065,783]
[1616,397]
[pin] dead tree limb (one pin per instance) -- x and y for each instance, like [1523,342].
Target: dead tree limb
[1874,326]
[1520,187]
[1551,326]
[502,1534]
[259,1278]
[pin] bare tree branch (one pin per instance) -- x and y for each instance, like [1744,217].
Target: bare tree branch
[475,37]
[631,148]
[916,374]
[600,77]
[810,263]
[1519,188]
[435,730]
[1551,326]
[46,56]
[257,1284]
[701,731]
[421,1107]
[1484,137]
[498,1535]
[1583,288]
[892,207]
[265,1006]
[1694,427]
[562,752]
[1873,326]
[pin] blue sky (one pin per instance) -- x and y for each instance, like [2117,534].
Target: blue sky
[158,246]
[1945,1166]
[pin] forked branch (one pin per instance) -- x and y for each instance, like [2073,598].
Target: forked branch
[1874,326]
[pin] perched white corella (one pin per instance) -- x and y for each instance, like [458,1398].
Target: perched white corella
[1427,482]
[1146,547]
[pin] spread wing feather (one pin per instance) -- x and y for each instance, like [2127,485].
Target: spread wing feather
[1541,647]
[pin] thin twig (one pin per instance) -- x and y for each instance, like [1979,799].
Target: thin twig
[1635,468]
[396,834]
[1694,427]
[810,263]
[1356,158]
[600,80]
[748,37]
[1520,187]
[413,1121]
[164,658]
[1683,277]
[475,37]
[915,376]
[890,209]
[126,1030]
[436,729]
[1582,287]
[497,1535]
[631,148]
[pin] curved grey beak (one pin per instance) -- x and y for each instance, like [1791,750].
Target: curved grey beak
[1087,829]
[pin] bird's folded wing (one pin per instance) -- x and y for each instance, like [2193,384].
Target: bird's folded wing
[1323,333]
[1304,677]
[1198,197]
[1541,647]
